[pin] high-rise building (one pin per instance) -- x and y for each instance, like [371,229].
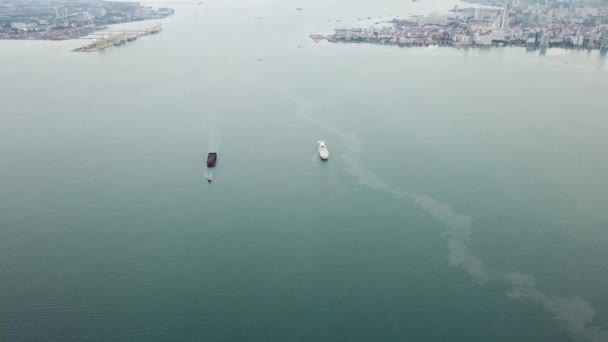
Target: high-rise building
[99,12]
[86,16]
[544,40]
[549,18]
[479,14]
[580,39]
[604,45]
[497,22]
[505,14]
[61,12]
[435,18]
[532,38]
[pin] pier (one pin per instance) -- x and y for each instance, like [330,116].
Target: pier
[108,39]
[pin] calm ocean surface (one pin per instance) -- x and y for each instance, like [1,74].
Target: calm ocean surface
[466,197]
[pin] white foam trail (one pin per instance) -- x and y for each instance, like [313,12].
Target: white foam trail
[209,127]
[214,143]
[574,313]
[457,237]
[364,175]
[352,145]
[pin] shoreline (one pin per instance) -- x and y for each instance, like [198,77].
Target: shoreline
[118,39]
[79,33]
[318,39]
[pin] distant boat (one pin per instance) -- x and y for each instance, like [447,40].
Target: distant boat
[299,8]
[323,152]
[317,37]
[209,179]
[211,159]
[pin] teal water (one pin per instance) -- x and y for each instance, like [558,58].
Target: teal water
[465,198]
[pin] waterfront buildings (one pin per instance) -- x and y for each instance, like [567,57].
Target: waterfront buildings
[576,24]
[63,19]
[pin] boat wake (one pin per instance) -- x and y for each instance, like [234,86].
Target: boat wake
[209,175]
[209,128]
[214,143]
[573,313]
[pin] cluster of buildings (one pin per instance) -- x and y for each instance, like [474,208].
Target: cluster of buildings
[571,24]
[67,19]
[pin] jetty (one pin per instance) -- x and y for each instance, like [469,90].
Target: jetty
[107,39]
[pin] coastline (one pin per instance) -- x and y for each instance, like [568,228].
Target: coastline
[318,39]
[79,33]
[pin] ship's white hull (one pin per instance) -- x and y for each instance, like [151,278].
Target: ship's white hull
[322,148]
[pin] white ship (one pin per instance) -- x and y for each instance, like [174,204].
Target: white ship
[323,152]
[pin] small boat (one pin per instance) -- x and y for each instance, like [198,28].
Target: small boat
[323,152]
[209,179]
[211,159]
